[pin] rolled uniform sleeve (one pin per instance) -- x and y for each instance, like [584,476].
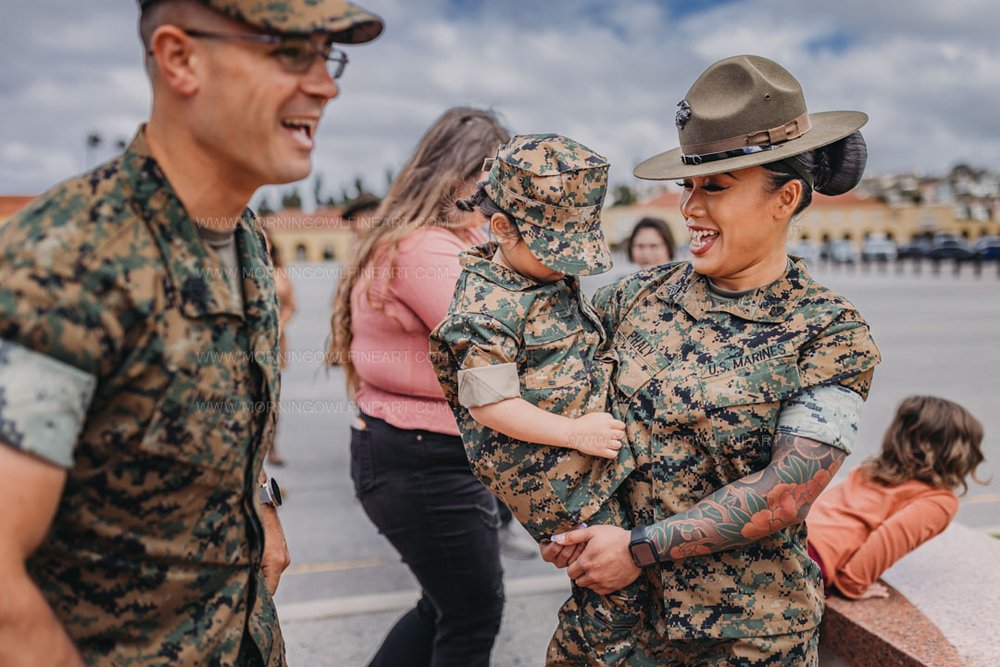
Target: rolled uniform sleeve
[43,403]
[836,370]
[844,354]
[484,350]
[59,331]
[829,414]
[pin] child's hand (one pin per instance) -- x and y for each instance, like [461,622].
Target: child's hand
[596,434]
[876,590]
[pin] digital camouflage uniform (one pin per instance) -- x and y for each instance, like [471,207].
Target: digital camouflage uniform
[122,342]
[548,335]
[700,385]
[508,336]
[127,358]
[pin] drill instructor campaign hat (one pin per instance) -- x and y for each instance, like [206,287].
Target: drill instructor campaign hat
[344,21]
[553,187]
[743,112]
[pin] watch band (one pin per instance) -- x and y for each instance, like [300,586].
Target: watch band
[641,548]
[270,493]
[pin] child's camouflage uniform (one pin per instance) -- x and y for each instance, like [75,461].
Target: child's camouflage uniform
[507,336]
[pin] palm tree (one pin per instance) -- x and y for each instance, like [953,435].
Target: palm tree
[94,141]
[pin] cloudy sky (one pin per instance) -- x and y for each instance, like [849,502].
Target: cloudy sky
[608,73]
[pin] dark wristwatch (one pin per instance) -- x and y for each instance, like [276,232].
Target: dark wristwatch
[642,549]
[270,493]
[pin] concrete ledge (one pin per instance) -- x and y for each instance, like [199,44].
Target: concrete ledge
[941,611]
[888,632]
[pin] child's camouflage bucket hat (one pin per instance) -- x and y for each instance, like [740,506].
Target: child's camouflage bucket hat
[554,189]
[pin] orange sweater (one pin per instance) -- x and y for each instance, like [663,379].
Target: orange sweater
[860,527]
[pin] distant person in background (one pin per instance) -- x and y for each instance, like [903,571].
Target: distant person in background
[286,308]
[407,460]
[898,500]
[650,243]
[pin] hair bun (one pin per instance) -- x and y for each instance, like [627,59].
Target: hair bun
[840,166]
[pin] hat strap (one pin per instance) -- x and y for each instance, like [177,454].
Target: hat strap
[796,166]
[755,142]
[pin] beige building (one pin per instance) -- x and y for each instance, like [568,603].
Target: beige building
[618,221]
[848,216]
[322,236]
[300,237]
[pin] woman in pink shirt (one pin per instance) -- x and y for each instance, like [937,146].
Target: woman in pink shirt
[407,460]
[896,501]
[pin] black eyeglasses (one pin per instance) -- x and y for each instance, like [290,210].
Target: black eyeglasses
[295,53]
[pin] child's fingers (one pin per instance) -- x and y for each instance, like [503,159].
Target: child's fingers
[618,424]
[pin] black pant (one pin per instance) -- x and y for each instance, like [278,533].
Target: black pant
[417,489]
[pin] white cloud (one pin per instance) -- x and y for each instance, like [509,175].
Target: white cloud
[607,74]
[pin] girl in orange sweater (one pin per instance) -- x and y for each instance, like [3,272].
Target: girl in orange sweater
[898,500]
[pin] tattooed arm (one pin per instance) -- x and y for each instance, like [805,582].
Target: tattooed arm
[754,507]
[739,513]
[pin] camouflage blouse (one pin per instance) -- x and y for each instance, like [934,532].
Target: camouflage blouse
[161,393]
[700,384]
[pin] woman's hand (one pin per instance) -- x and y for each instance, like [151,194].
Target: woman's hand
[559,555]
[605,566]
[876,590]
[596,434]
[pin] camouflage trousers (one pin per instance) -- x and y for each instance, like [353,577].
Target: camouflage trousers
[604,630]
[797,649]
[626,629]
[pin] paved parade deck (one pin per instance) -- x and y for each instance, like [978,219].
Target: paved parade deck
[938,335]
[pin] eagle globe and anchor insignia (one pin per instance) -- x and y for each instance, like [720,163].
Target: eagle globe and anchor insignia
[683,114]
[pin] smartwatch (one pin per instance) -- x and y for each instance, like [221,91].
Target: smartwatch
[642,549]
[270,493]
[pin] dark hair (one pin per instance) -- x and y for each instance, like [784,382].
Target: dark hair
[834,169]
[480,201]
[656,224]
[365,201]
[932,440]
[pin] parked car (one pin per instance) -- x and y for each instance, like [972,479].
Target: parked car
[917,248]
[878,247]
[842,252]
[987,248]
[947,246]
[807,250]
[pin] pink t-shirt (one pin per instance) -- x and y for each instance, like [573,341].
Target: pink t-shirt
[393,311]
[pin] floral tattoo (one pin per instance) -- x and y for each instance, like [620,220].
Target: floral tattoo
[754,507]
